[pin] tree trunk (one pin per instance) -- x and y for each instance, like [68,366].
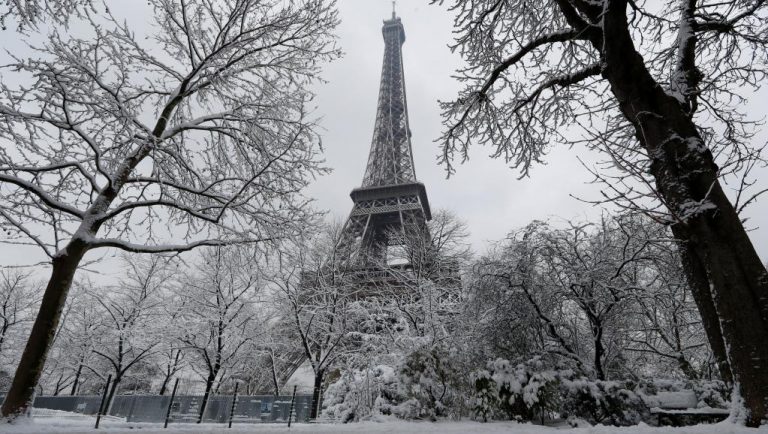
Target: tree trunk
[275,383]
[164,385]
[687,369]
[317,394]
[206,396]
[699,283]
[599,351]
[112,392]
[76,382]
[708,225]
[30,368]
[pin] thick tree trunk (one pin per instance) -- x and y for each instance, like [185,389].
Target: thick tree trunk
[708,225]
[317,394]
[30,368]
[207,395]
[597,335]
[699,283]
[112,392]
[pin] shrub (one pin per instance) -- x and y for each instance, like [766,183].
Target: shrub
[431,381]
[518,392]
[712,393]
[360,394]
[603,402]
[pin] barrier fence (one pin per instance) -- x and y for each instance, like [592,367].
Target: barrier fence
[186,408]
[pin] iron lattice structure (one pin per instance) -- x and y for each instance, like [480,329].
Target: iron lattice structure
[390,199]
[390,208]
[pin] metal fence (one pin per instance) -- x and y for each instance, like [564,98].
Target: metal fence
[186,408]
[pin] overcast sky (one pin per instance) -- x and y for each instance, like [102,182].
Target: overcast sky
[484,192]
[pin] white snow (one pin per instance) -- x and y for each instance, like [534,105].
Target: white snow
[303,378]
[684,399]
[64,425]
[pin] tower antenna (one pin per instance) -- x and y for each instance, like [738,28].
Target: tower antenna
[394,4]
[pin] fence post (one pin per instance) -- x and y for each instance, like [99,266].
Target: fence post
[170,404]
[234,402]
[103,398]
[290,412]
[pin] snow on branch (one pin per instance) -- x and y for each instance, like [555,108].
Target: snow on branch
[201,127]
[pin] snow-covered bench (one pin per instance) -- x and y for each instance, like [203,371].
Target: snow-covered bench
[681,408]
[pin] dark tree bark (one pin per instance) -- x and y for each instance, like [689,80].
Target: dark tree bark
[170,372]
[714,237]
[76,381]
[207,395]
[317,394]
[30,368]
[597,332]
[275,382]
[687,369]
[112,392]
[699,284]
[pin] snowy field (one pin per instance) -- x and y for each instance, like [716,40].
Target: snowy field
[83,425]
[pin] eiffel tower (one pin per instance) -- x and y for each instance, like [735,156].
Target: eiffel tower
[390,199]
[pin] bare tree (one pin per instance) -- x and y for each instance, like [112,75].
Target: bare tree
[219,317]
[30,13]
[78,335]
[422,288]
[128,333]
[18,299]
[204,128]
[316,290]
[665,326]
[657,86]
[170,358]
[580,282]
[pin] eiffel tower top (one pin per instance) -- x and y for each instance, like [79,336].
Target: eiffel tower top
[390,161]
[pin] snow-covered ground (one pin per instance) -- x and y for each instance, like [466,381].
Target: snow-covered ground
[64,424]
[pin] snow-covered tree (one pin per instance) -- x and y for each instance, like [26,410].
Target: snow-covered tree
[170,358]
[419,293]
[579,282]
[196,134]
[658,87]
[77,337]
[18,300]
[318,294]
[665,329]
[30,13]
[128,332]
[220,316]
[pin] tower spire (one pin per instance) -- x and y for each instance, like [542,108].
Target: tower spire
[390,160]
[394,5]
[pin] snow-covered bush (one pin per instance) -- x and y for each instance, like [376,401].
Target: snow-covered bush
[602,402]
[426,384]
[709,393]
[363,393]
[431,381]
[518,392]
[485,399]
[712,393]
[532,389]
